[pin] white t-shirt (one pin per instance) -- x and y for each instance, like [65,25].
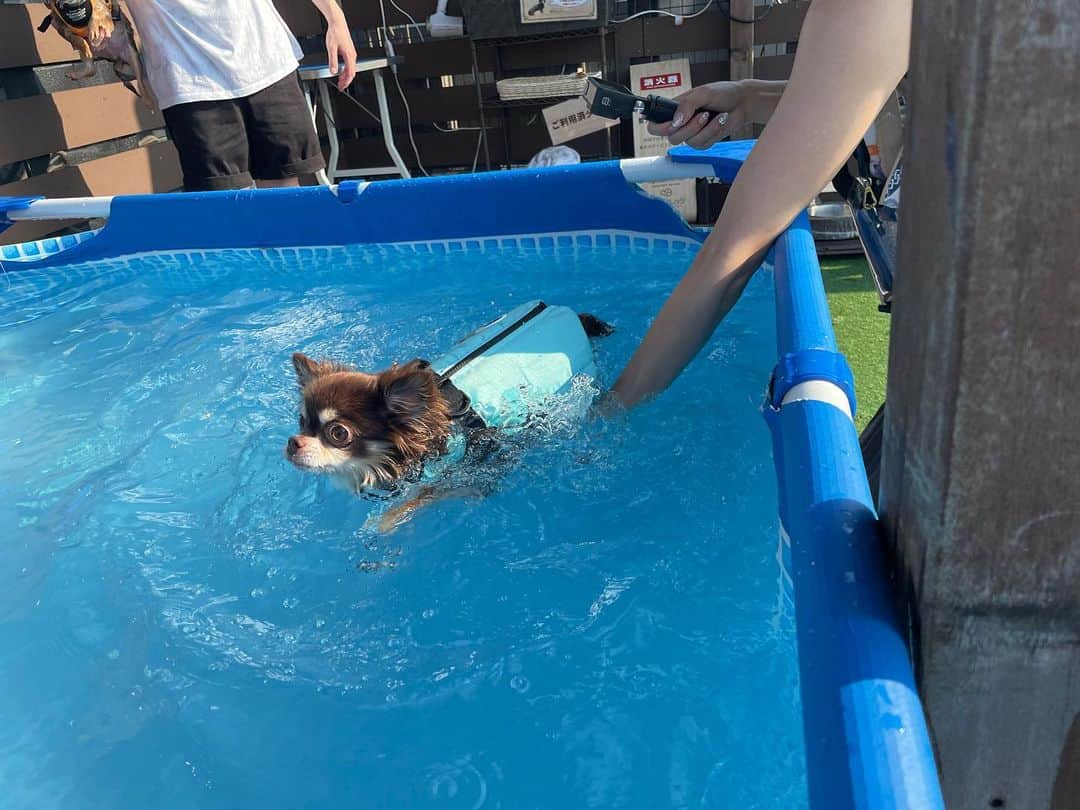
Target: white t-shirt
[207,50]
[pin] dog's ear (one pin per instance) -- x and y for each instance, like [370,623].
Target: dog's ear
[308,370]
[407,392]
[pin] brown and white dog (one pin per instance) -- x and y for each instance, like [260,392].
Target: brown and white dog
[374,431]
[369,430]
[98,29]
[377,431]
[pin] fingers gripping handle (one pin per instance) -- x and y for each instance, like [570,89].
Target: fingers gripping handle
[659,110]
[611,100]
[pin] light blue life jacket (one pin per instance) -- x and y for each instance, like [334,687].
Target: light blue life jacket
[511,368]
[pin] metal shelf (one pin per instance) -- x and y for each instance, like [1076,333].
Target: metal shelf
[544,101]
[497,106]
[541,36]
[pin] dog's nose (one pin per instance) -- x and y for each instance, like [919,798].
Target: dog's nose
[292,446]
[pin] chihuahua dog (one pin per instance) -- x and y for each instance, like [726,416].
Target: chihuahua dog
[98,29]
[378,431]
[371,430]
[374,432]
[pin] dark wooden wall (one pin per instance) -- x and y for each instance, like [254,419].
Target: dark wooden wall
[980,487]
[64,138]
[704,39]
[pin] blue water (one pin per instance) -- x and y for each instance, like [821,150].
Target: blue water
[186,621]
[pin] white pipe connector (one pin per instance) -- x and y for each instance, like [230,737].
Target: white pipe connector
[64,208]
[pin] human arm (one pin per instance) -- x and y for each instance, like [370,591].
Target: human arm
[339,44]
[850,58]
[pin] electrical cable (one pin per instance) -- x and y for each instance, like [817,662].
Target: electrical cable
[679,18]
[408,118]
[745,21]
[397,81]
[419,27]
[662,12]
[459,129]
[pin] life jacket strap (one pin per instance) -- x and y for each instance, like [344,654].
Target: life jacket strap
[461,410]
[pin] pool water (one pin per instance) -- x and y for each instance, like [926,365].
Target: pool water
[188,621]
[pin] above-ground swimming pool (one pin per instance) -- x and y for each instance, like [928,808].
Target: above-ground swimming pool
[191,622]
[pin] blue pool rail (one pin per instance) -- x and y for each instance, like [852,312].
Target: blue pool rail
[867,744]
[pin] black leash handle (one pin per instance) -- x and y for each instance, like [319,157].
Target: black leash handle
[659,110]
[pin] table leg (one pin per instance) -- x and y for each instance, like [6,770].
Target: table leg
[388,132]
[331,130]
[320,175]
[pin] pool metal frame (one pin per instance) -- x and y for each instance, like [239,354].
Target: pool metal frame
[867,743]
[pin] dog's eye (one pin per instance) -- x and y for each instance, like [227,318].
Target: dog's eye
[338,434]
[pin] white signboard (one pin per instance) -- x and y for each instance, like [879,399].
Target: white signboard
[571,119]
[542,11]
[667,79]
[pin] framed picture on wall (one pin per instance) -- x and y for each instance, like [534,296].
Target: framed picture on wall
[542,11]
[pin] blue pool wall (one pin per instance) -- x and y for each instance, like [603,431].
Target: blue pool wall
[867,744]
[557,200]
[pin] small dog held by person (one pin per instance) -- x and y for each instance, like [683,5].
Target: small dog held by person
[98,29]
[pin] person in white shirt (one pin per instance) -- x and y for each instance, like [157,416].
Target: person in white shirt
[224,75]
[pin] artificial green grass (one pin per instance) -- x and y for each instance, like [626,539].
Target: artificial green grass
[861,331]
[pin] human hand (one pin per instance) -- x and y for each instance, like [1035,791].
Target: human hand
[340,48]
[101,27]
[607,406]
[98,35]
[726,107]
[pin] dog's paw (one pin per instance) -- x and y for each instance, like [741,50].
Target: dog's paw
[87,72]
[393,520]
[388,522]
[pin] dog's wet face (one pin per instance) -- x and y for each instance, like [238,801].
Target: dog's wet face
[366,428]
[340,428]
